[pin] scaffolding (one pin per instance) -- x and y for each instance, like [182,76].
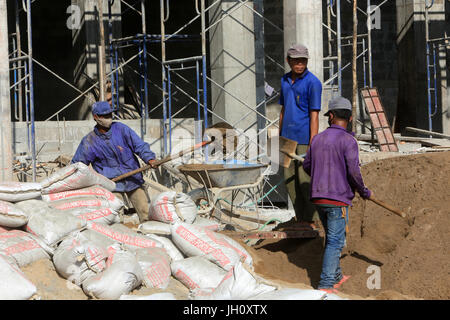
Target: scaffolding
[197,65]
[432,45]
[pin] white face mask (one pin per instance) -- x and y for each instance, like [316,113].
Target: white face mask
[104,122]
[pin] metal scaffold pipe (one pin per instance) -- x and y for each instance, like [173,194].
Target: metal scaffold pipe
[5,104]
[31,86]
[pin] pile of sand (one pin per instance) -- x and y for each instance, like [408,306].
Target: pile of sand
[412,257]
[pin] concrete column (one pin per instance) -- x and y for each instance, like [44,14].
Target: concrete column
[413,98]
[6,158]
[302,20]
[86,42]
[232,62]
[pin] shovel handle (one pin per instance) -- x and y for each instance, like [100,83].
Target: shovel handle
[159,162]
[388,207]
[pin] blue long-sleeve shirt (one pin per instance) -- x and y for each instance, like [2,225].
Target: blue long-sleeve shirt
[114,153]
[332,161]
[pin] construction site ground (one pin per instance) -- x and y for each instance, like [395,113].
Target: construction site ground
[412,254]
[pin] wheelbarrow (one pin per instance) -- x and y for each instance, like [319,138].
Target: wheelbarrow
[219,177]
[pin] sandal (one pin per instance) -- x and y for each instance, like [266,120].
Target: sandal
[338,284]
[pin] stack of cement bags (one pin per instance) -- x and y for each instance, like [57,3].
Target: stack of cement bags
[72,218]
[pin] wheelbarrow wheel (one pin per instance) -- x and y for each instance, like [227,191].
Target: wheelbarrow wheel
[202,199]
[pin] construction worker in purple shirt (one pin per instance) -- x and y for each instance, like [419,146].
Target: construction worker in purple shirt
[300,98]
[332,161]
[111,149]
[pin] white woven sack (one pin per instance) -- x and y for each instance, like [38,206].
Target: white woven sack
[22,247]
[210,224]
[99,215]
[168,245]
[33,206]
[120,233]
[171,206]
[194,240]
[155,296]
[77,258]
[197,272]
[154,227]
[19,191]
[75,176]
[52,226]
[91,208]
[11,215]
[13,283]
[155,266]
[122,275]
[295,294]
[94,192]
[238,284]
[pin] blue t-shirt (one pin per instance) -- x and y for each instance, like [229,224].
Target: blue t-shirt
[298,99]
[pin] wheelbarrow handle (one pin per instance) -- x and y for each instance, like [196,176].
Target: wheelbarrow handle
[164,160]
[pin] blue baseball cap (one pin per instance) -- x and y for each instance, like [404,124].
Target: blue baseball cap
[101,108]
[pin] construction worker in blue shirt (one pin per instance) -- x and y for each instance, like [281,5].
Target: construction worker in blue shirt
[111,149]
[300,98]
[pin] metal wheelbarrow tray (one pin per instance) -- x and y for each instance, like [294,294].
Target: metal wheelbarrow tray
[224,175]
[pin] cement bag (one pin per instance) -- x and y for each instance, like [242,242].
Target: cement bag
[155,296]
[75,176]
[171,206]
[197,272]
[207,223]
[293,294]
[53,226]
[90,208]
[95,192]
[11,215]
[77,258]
[119,233]
[168,245]
[238,284]
[155,266]
[19,191]
[99,215]
[154,227]
[21,247]
[33,206]
[121,276]
[13,283]
[194,240]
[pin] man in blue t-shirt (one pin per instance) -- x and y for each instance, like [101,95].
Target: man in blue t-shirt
[300,98]
[111,149]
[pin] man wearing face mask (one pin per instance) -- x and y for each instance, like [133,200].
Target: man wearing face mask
[332,161]
[111,149]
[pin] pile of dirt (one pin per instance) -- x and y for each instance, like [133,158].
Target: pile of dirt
[411,255]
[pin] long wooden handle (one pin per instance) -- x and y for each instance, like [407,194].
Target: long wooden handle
[164,160]
[293,156]
[388,207]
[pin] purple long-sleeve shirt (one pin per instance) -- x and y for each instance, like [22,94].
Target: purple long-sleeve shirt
[332,161]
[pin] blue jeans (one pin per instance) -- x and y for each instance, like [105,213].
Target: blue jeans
[333,222]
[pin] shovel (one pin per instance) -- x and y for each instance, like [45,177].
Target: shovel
[164,160]
[287,153]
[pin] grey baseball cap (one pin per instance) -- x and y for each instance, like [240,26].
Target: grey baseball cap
[298,51]
[338,103]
